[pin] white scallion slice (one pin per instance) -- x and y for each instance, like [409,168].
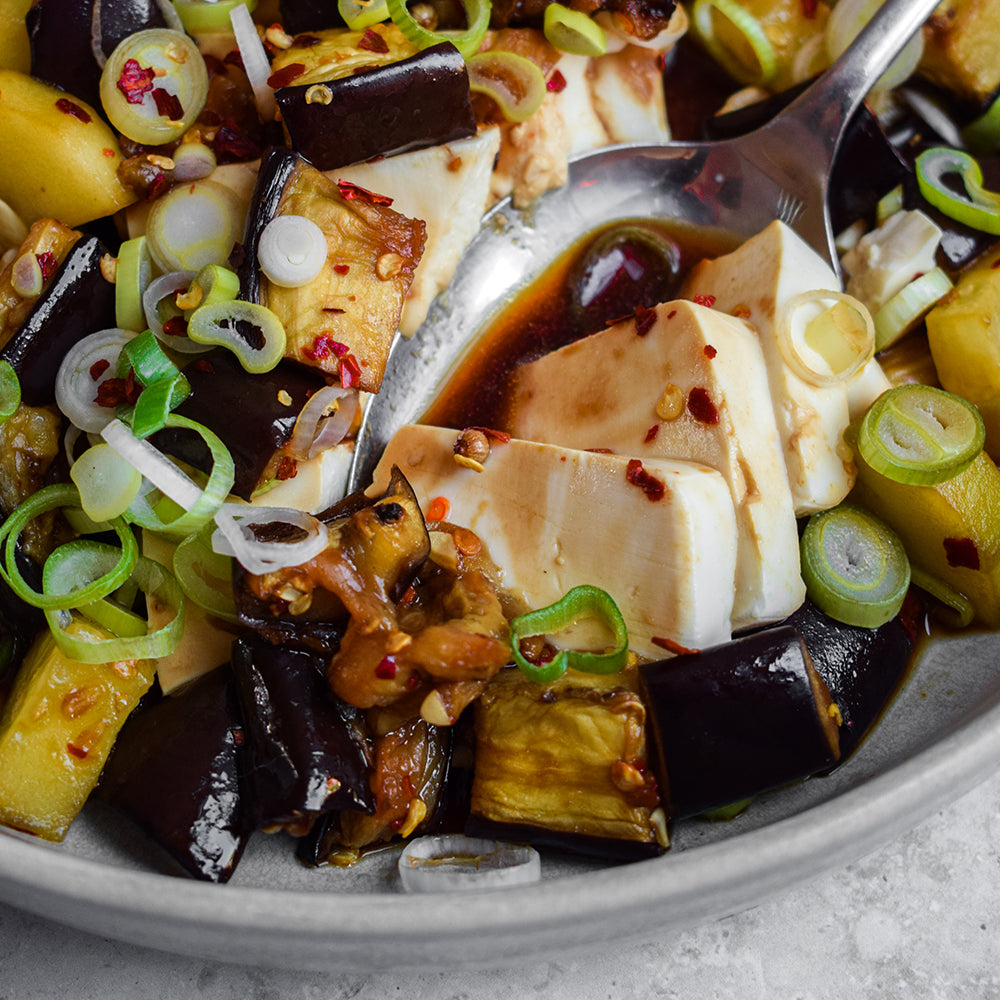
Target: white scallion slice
[255,62]
[88,363]
[159,299]
[239,531]
[323,422]
[292,250]
[447,864]
[909,306]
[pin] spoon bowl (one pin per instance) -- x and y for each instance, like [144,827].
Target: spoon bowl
[733,188]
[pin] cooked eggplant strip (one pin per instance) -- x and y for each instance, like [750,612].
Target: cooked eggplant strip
[738,719]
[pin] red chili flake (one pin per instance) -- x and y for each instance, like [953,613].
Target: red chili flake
[742,312]
[204,365]
[167,105]
[287,468]
[232,144]
[409,595]
[961,552]
[118,391]
[306,41]
[651,434]
[333,309]
[284,76]
[157,186]
[995,263]
[386,668]
[323,346]
[671,314]
[176,326]
[556,82]
[705,300]
[238,736]
[661,62]
[809,8]
[233,58]
[68,107]
[644,320]
[636,474]
[372,41]
[213,64]
[599,451]
[709,351]
[341,268]
[494,435]
[98,368]
[79,752]
[350,371]
[108,152]
[47,263]
[673,647]
[350,191]
[701,407]
[135,81]
[438,509]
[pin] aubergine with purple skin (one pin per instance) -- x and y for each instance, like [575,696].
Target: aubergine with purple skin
[64,34]
[253,415]
[420,101]
[178,772]
[298,16]
[305,752]
[862,667]
[77,301]
[730,722]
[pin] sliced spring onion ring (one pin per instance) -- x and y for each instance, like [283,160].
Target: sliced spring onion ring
[147,360]
[292,250]
[909,306]
[236,536]
[133,273]
[979,209]
[581,602]
[76,385]
[515,83]
[361,14]
[847,19]
[983,134]
[920,435]
[107,483]
[193,161]
[255,62]
[156,402]
[10,391]
[446,864]
[825,337]
[206,576]
[251,331]
[212,284]
[854,567]
[960,612]
[199,16]
[154,85]
[198,505]
[889,204]
[51,498]
[752,35]
[477,15]
[618,28]
[323,422]
[573,31]
[160,304]
[81,559]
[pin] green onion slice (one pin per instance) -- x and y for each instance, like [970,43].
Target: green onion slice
[983,134]
[252,332]
[133,273]
[106,481]
[82,559]
[206,576]
[908,306]
[145,356]
[752,35]
[156,402]
[10,391]
[581,602]
[573,31]
[477,16]
[51,498]
[361,14]
[515,83]
[889,204]
[213,283]
[854,567]
[920,435]
[960,612]
[199,16]
[979,208]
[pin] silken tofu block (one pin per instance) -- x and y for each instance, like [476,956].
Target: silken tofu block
[753,283]
[553,518]
[693,386]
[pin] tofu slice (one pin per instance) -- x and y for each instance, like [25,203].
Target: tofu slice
[446,186]
[693,364]
[553,518]
[754,282]
[318,482]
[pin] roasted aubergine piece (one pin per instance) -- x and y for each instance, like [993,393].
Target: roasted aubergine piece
[564,765]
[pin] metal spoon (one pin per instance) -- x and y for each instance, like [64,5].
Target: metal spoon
[737,186]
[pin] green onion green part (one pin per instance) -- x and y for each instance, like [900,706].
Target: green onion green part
[581,602]
[361,14]
[252,332]
[979,208]
[477,15]
[753,35]
[10,391]
[208,15]
[573,31]
[206,576]
[515,83]
[854,567]
[133,273]
[960,613]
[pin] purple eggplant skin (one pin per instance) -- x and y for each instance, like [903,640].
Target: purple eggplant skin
[730,722]
[419,101]
[305,751]
[253,415]
[299,16]
[59,35]
[78,301]
[178,772]
[862,667]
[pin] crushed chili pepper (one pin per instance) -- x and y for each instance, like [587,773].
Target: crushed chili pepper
[167,105]
[71,108]
[306,41]
[176,326]
[961,552]
[644,320]
[672,647]
[809,8]
[709,351]
[386,669]
[372,41]
[47,263]
[704,300]
[350,191]
[288,468]
[701,407]
[233,144]
[323,346]
[438,509]
[651,434]
[284,76]
[118,391]
[98,368]
[135,82]
[233,58]
[555,83]
[636,474]
[349,370]
[204,365]
[341,268]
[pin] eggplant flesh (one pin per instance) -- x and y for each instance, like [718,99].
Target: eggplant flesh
[739,719]
[304,747]
[178,772]
[563,765]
